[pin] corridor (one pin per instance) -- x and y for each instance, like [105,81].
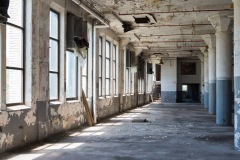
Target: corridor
[170,131]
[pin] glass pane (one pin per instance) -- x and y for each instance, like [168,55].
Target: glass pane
[100,46]
[15,11]
[132,84]
[84,84]
[53,85]
[114,70]
[108,49]
[84,69]
[114,87]
[100,87]
[114,52]
[14,48]
[53,56]
[107,68]
[127,81]
[184,87]
[54,25]
[100,66]
[71,75]
[107,87]
[14,86]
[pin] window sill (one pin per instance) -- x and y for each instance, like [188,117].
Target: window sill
[53,103]
[18,108]
[101,97]
[74,101]
[115,96]
[108,97]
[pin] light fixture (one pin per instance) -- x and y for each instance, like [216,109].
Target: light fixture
[161,62]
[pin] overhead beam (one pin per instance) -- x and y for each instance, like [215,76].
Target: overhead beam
[179,11]
[162,35]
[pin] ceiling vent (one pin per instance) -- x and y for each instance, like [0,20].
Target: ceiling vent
[141,19]
[145,19]
[126,27]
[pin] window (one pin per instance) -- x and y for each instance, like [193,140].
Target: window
[100,67]
[15,54]
[140,85]
[108,65]
[54,56]
[132,82]
[127,71]
[71,75]
[184,87]
[85,76]
[114,69]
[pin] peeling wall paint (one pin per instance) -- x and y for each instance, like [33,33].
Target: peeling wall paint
[4,119]
[42,118]
[30,118]
[6,139]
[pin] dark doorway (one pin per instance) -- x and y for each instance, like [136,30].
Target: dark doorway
[190,93]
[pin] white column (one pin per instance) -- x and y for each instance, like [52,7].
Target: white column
[237,74]
[211,42]
[221,22]
[206,83]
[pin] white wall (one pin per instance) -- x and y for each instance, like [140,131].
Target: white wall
[189,79]
[169,75]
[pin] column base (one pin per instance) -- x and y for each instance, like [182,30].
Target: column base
[224,102]
[212,98]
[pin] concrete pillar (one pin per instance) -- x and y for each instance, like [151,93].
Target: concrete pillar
[223,68]
[212,80]
[206,83]
[236,75]
[211,42]
[200,56]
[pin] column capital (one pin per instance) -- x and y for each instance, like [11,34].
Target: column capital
[204,51]
[124,42]
[200,56]
[137,51]
[210,40]
[220,21]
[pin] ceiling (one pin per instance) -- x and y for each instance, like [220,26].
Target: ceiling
[175,28]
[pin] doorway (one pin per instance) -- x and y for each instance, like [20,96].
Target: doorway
[190,93]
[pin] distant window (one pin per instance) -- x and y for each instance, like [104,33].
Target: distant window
[100,67]
[188,68]
[114,69]
[108,67]
[184,87]
[54,56]
[71,75]
[85,77]
[15,54]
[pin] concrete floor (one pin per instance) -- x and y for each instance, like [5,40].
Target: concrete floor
[174,131]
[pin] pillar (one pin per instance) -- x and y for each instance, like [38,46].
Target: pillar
[211,42]
[223,68]
[212,81]
[200,56]
[206,89]
[236,75]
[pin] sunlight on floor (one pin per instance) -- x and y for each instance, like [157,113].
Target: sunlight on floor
[26,156]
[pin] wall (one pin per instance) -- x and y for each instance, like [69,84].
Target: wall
[113,104]
[169,81]
[39,118]
[188,79]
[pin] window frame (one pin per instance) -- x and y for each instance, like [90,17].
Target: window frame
[100,66]
[58,60]
[77,83]
[114,71]
[86,76]
[109,70]
[23,29]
